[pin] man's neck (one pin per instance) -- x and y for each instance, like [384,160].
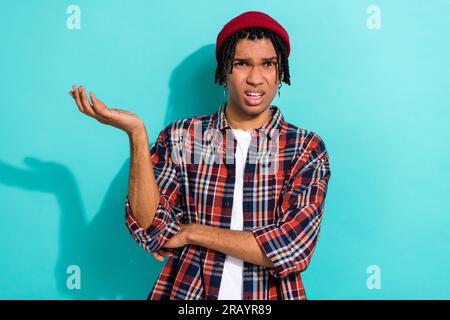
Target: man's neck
[239,120]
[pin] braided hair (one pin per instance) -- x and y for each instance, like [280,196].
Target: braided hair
[228,49]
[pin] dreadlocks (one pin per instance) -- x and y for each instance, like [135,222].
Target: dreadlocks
[228,49]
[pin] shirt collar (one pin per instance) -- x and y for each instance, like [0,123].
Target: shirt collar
[276,121]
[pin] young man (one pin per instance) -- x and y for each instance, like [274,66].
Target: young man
[235,198]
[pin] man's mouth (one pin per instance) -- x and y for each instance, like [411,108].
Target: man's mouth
[254,98]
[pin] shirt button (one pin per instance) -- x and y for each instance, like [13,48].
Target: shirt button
[217,264]
[227,204]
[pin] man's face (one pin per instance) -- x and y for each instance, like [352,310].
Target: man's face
[254,81]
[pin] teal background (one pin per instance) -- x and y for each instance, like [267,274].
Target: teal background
[378,98]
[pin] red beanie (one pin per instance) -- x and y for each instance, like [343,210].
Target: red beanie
[251,19]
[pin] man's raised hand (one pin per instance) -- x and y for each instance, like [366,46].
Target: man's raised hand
[122,119]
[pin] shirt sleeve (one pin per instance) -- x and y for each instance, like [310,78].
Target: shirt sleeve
[290,241]
[166,222]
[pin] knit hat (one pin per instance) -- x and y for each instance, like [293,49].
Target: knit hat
[251,19]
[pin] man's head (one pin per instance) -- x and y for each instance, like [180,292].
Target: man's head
[252,60]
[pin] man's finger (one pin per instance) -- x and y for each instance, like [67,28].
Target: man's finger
[98,106]
[164,252]
[76,95]
[157,256]
[85,101]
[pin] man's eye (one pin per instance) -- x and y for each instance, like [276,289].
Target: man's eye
[269,64]
[240,64]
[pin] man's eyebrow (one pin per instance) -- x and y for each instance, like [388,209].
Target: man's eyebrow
[269,59]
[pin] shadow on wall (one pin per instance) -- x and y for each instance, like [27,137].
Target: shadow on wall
[112,265]
[192,88]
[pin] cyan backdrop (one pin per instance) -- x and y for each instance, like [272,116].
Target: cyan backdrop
[379,97]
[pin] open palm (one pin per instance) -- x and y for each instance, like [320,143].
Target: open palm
[122,119]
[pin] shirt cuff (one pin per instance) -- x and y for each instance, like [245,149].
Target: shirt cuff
[276,245]
[162,229]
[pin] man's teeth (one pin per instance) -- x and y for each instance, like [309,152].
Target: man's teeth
[254,94]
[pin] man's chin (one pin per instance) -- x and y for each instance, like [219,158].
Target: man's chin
[253,110]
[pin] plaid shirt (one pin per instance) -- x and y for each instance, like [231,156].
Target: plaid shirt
[282,206]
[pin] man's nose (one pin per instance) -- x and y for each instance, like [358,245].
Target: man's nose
[254,77]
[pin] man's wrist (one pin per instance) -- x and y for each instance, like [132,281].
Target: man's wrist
[138,134]
[192,232]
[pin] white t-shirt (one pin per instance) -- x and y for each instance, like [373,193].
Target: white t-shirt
[232,277]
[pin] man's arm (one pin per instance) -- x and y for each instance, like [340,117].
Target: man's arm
[156,211]
[160,226]
[239,244]
[143,191]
